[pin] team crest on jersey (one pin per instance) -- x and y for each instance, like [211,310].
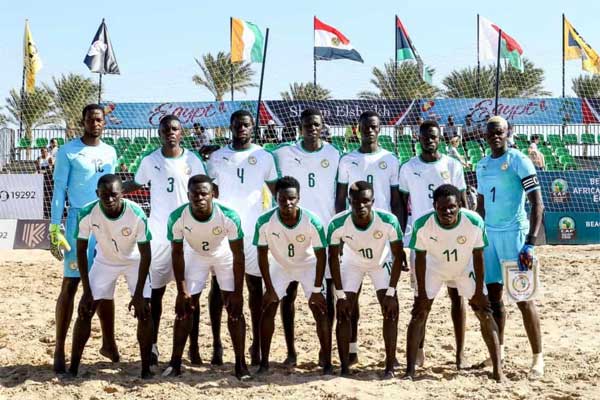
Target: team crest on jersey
[252,160]
[300,238]
[126,231]
[324,163]
[377,234]
[217,230]
[504,167]
[383,165]
[445,175]
[73,265]
[186,169]
[461,239]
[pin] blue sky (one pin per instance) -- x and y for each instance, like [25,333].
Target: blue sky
[156,41]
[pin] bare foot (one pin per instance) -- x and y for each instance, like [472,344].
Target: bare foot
[217,357]
[194,356]
[111,353]
[327,370]
[59,366]
[291,360]
[171,371]
[353,359]
[147,374]
[389,374]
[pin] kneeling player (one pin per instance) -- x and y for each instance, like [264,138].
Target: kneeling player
[444,241]
[296,240]
[365,233]
[118,225]
[215,236]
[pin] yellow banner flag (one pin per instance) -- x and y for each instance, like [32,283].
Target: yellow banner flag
[31,59]
[577,48]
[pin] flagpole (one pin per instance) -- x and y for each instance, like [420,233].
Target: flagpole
[478,62]
[314,57]
[99,87]
[260,87]
[395,46]
[230,49]
[563,55]
[498,72]
[22,90]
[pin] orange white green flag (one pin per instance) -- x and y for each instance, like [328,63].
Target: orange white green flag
[247,41]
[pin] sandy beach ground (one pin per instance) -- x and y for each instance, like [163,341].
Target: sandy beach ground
[29,284]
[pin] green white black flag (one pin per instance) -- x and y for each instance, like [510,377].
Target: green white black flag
[101,57]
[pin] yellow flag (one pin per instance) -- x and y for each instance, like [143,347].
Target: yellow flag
[31,59]
[577,48]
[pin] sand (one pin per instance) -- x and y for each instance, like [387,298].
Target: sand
[29,283]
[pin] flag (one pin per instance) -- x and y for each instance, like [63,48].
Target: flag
[405,50]
[331,44]
[31,59]
[101,57]
[488,44]
[247,41]
[577,48]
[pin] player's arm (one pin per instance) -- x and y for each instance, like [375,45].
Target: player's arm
[343,306]
[235,300]
[61,179]
[403,210]
[183,304]
[142,175]
[131,186]
[531,186]
[316,297]
[480,205]
[341,193]
[479,300]
[395,204]
[263,264]
[397,265]
[420,267]
[536,216]
[142,308]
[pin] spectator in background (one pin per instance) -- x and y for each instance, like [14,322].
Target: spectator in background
[353,133]
[450,130]
[270,133]
[325,134]
[123,167]
[288,133]
[44,162]
[469,130]
[415,129]
[509,135]
[200,137]
[453,151]
[537,158]
[53,148]
[535,139]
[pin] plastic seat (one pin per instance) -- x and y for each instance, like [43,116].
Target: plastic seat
[60,141]
[41,142]
[109,140]
[555,140]
[588,138]
[561,151]
[570,138]
[24,143]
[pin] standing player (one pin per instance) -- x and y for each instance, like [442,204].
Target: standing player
[296,241]
[241,170]
[378,167]
[167,170]
[367,234]
[314,163]
[504,180]
[123,237]
[214,234]
[419,177]
[79,164]
[446,240]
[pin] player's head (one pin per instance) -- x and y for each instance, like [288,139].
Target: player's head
[287,190]
[361,198]
[496,133]
[369,125]
[200,194]
[169,130]
[241,125]
[311,124]
[92,120]
[110,193]
[429,136]
[446,202]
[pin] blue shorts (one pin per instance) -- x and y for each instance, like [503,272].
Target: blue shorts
[502,246]
[70,261]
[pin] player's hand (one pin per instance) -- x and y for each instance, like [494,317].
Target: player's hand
[479,301]
[421,303]
[390,307]
[141,308]
[403,262]
[86,304]
[184,306]
[526,255]
[269,298]
[234,304]
[317,301]
[343,308]
[57,242]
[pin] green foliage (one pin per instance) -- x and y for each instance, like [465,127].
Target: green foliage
[306,91]
[402,82]
[218,73]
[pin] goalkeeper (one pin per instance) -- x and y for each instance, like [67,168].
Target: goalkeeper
[79,164]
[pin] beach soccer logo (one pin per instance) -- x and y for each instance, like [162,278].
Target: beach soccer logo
[559,191]
[566,228]
[520,284]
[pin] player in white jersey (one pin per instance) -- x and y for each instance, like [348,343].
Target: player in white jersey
[241,170]
[296,242]
[367,235]
[445,241]
[215,237]
[166,170]
[314,163]
[377,166]
[123,248]
[419,177]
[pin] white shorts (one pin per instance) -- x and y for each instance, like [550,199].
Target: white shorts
[161,267]
[413,272]
[282,277]
[353,275]
[198,270]
[464,283]
[103,280]
[251,257]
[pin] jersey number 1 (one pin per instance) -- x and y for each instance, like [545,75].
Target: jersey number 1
[448,253]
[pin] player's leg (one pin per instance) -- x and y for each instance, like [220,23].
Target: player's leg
[343,334]
[416,333]
[420,361]
[354,338]
[144,337]
[181,331]
[81,334]
[288,312]
[161,273]
[63,315]
[215,309]
[457,312]
[380,277]
[156,309]
[255,295]
[193,349]
[330,299]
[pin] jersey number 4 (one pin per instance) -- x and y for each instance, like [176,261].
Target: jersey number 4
[240,174]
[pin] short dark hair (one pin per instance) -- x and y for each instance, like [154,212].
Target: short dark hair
[446,190]
[168,118]
[196,125]
[535,137]
[427,125]
[240,114]
[287,182]
[359,186]
[310,112]
[368,114]
[109,179]
[200,178]
[91,107]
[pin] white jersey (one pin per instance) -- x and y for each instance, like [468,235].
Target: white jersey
[368,247]
[316,171]
[168,178]
[241,175]
[449,250]
[379,168]
[208,239]
[291,247]
[117,238]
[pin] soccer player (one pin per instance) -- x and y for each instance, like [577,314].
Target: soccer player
[79,164]
[419,177]
[314,163]
[241,170]
[445,240]
[504,180]
[123,248]
[214,234]
[296,241]
[365,232]
[377,166]
[167,171]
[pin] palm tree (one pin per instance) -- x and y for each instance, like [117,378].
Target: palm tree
[33,110]
[586,86]
[463,83]
[217,75]
[306,91]
[402,82]
[528,83]
[71,93]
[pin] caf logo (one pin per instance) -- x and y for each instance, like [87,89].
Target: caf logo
[324,163]
[559,191]
[566,228]
[252,160]
[383,165]
[300,238]
[217,230]
[504,167]
[461,239]
[126,231]
[445,175]
[378,234]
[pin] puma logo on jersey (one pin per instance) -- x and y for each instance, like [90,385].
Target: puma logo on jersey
[433,238]
[116,246]
[349,237]
[226,159]
[417,174]
[275,234]
[157,168]
[298,161]
[187,228]
[354,163]
[96,226]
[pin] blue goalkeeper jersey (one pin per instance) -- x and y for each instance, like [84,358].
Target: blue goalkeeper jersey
[77,169]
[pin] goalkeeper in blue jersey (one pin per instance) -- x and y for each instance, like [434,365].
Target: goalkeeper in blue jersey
[504,180]
[78,166]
